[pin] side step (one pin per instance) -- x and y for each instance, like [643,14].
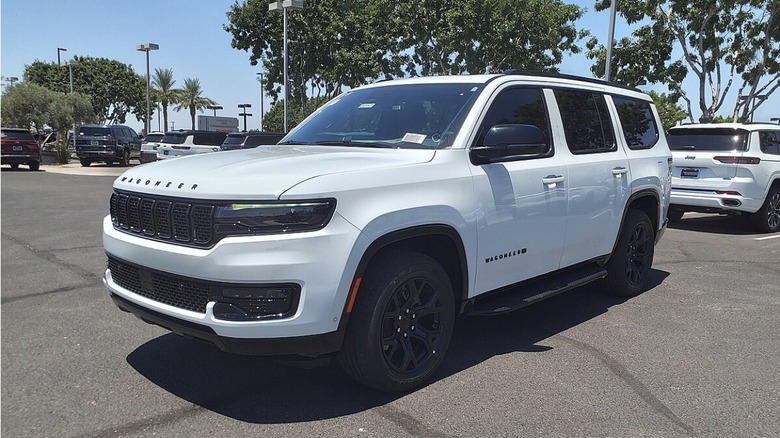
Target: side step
[515,297]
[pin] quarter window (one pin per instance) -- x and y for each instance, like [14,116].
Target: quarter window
[770,142]
[637,121]
[523,106]
[586,121]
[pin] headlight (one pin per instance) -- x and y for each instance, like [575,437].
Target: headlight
[265,218]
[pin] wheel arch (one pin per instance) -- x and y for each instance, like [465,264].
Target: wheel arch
[647,201]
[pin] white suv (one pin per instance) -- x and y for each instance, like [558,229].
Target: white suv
[727,168]
[391,210]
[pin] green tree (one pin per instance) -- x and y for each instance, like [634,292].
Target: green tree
[114,87]
[190,98]
[163,91]
[670,112]
[717,43]
[25,105]
[274,118]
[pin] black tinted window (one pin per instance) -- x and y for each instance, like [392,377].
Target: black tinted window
[209,138]
[637,121]
[586,121]
[707,139]
[233,140]
[151,138]
[174,138]
[94,131]
[17,135]
[521,106]
[770,142]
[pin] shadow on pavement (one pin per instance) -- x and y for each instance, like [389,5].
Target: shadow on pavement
[259,390]
[736,225]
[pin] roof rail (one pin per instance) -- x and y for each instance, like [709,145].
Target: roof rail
[568,76]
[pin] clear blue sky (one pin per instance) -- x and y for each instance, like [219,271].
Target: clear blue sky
[192,43]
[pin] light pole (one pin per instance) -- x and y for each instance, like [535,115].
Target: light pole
[214,107]
[243,112]
[70,65]
[148,47]
[262,107]
[610,40]
[283,6]
[60,49]
[10,79]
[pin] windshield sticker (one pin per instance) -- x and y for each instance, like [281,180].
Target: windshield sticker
[414,138]
[366,105]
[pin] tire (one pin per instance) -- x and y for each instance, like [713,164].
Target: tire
[632,259]
[767,218]
[674,214]
[14,166]
[85,162]
[125,161]
[401,324]
[34,166]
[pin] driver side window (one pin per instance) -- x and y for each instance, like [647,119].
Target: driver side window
[522,106]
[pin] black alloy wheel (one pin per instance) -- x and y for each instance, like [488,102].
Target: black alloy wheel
[767,218]
[402,323]
[125,158]
[632,260]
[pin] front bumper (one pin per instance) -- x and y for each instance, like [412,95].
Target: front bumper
[315,261]
[100,154]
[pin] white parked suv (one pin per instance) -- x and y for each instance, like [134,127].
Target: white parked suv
[182,143]
[390,211]
[730,168]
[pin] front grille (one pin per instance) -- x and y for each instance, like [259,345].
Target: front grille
[173,290]
[181,222]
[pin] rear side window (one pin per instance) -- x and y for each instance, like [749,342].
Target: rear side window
[707,139]
[94,131]
[637,121]
[17,135]
[233,140]
[208,138]
[770,142]
[586,121]
[151,138]
[523,106]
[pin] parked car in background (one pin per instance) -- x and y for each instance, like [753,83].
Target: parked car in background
[251,139]
[181,143]
[730,168]
[19,147]
[149,146]
[107,144]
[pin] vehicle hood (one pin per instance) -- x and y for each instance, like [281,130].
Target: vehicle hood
[260,173]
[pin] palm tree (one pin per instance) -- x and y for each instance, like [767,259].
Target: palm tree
[190,98]
[164,92]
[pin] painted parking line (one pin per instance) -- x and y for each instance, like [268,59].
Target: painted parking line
[776,236]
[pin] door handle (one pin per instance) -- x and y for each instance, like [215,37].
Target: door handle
[552,180]
[619,171]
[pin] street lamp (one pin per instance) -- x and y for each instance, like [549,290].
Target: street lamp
[262,107]
[610,41]
[284,6]
[10,79]
[243,107]
[148,47]
[214,107]
[60,49]
[70,65]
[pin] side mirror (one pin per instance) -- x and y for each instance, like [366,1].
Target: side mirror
[510,142]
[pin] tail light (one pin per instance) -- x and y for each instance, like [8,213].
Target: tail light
[738,160]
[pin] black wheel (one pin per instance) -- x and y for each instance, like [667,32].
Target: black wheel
[674,214]
[125,161]
[34,166]
[401,324]
[767,218]
[14,166]
[630,263]
[85,162]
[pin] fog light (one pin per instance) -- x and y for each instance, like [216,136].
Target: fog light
[251,303]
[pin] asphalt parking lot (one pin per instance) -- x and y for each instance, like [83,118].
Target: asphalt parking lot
[696,355]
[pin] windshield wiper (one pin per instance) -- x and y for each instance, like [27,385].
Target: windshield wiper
[354,143]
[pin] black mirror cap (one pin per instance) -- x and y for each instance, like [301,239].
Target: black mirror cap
[510,142]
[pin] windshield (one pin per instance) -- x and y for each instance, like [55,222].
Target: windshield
[174,138]
[414,116]
[94,131]
[718,139]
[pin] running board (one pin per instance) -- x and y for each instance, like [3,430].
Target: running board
[522,295]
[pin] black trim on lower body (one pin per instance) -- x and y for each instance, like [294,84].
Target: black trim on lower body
[308,346]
